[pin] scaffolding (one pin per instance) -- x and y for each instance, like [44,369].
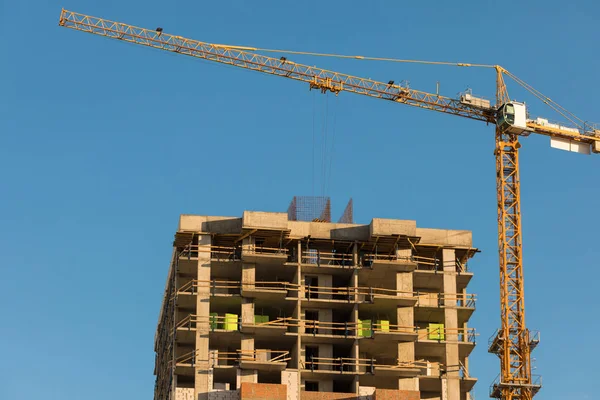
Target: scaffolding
[164,345]
[348,214]
[310,209]
[317,209]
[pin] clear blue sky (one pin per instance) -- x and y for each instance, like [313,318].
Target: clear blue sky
[104,144]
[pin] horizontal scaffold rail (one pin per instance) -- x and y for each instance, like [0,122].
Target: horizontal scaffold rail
[354,365]
[441,333]
[358,294]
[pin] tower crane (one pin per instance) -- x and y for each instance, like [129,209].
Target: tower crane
[513,342]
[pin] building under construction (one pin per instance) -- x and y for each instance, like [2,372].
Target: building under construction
[291,306]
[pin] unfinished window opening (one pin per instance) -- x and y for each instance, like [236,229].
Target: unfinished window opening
[342,386]
[311,386]
[273,377]
[311,355]
[311,283]
[311,316]
[342,323]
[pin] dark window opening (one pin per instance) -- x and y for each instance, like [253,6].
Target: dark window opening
[311,316]
[311,354]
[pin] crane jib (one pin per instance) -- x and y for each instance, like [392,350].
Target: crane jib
[318,78]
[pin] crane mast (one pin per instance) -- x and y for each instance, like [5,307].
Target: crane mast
[513,342]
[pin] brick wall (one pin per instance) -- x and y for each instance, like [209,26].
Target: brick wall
[182,393]
[327,396]
[262,391]
[387,394]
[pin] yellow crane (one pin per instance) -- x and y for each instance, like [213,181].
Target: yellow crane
[513,342]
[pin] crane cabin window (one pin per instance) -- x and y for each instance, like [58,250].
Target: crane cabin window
[506,116]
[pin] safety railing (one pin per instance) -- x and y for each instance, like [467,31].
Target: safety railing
[360,329]
[440,333]
[187,358]
[328,293]
[435,264]
[363,328]
[463,373]
[429,299]
[281,321]
[366,260]
[217,253]
[217,286]
[265,250]
[213,286]
[275,286]
[427,263]
[227,322]
[352,294]
[421,364]
[338,364]
[497,385]
[322,258]
[258,355]
[356,365]
[372,293]
[385,327]
[314,327]
[496,341]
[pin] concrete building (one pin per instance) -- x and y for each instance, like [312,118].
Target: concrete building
[263,307]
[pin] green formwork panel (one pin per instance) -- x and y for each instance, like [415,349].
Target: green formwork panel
[436,332]
[214,318]
[231,322]
[364,328]
[383,325]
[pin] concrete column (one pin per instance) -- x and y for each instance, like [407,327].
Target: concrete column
[202,381]
[353,321]
[297,316]
[247,376]
[406,350]
[355,353]
[403,253]
[452,379]
[248,275]
[247,341]
[406,316]
[404,284]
